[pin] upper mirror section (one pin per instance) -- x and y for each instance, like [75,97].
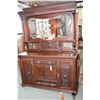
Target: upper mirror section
[50,28]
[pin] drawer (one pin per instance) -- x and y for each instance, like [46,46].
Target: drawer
[44,83]
[66,62]
[49,62]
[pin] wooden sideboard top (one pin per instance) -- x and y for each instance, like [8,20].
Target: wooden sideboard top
[62,55]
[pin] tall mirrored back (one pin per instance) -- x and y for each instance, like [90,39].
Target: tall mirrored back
[49,28]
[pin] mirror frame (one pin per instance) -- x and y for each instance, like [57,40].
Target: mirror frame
[71,27]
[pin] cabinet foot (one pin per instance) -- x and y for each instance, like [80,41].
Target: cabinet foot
[23,85]
[74,94]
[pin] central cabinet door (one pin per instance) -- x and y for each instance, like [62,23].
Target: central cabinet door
[45,72]
[39,71]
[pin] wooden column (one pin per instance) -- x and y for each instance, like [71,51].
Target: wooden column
[76,30]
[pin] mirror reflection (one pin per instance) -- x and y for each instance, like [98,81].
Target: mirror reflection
[50,28]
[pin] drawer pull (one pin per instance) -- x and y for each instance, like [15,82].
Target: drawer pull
[44,62]
[28,72]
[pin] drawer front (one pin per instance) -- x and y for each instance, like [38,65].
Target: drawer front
[47,62]
[46,83]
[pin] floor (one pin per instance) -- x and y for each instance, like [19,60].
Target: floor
[30,93]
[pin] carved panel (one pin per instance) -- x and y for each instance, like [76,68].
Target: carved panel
[53,45]
[27,71]
[66,77]
[66,73]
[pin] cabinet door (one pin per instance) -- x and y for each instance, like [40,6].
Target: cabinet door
[39,71]
[66,74]
[51,72]
[26,70]
[45,72]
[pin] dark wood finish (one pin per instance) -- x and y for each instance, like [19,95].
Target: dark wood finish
[36,69]
[48,64]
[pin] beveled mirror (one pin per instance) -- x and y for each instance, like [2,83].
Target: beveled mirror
[32,27]
[50,28]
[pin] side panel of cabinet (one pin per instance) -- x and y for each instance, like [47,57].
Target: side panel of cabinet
[26,70]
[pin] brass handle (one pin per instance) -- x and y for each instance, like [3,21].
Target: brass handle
[65,76]
[28,72]
[51,68]
[28,75]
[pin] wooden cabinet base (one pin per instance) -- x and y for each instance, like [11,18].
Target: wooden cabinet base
[52,73]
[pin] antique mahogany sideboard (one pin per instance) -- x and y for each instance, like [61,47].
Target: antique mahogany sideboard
[51,43]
